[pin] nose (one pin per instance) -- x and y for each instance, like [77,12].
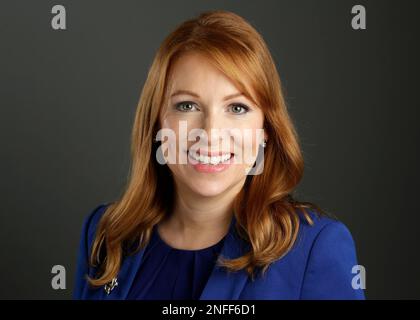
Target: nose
[209,122]
[213,124]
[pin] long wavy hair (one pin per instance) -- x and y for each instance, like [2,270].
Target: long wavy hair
[266,212]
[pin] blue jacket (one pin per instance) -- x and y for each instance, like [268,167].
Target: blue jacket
[319,266]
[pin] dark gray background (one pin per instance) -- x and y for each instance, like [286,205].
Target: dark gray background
[68,100]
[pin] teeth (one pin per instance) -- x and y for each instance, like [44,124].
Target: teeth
[210,160]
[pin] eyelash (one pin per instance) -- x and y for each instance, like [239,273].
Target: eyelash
[245,107]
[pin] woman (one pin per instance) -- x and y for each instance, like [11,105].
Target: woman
[197,220]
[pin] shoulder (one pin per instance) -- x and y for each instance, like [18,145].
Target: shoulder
[323,229]
[321,262]
[90,223]
[318,266]
[88,232]
[92,219]
[330,256]
[326,240]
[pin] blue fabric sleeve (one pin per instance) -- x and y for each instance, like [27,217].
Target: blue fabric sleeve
[328,273]
[82,265]
[82,261]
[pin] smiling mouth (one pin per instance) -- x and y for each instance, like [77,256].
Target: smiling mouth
[210,160]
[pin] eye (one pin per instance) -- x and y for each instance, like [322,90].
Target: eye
[239,108]
[185,106]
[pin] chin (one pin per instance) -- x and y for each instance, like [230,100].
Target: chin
[209,189]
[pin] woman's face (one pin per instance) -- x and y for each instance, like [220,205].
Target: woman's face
[201,99]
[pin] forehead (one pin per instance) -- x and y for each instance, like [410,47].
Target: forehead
[195,72]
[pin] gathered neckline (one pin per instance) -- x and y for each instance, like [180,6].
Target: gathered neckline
[159,239]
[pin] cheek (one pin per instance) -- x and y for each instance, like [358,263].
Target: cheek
[257,130]
[251,136]
[174,137]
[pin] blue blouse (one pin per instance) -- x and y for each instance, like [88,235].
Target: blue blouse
[168,273]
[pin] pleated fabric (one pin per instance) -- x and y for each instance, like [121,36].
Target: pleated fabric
[173,274]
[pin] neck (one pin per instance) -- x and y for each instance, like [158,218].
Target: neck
[198,221]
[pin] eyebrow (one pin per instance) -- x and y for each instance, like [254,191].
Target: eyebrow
[187,92]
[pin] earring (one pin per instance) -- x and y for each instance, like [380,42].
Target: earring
[264,144]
